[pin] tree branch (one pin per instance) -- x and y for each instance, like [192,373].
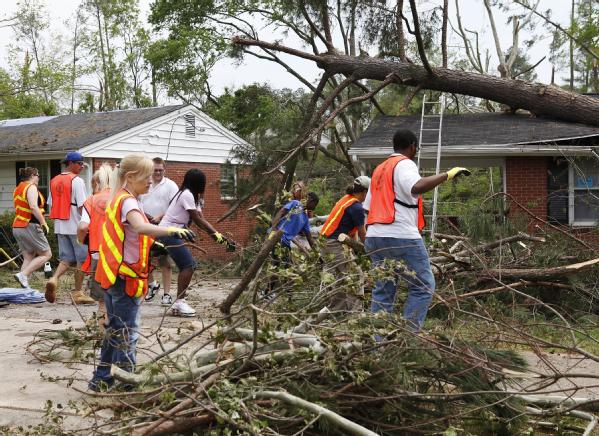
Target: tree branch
[419,41]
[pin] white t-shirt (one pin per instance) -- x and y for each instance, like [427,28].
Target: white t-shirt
[156,201]
[131,243]
[405,225]
[78,196]
[85,218]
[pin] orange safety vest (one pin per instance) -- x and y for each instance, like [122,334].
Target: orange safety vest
[382,195]
[95,205]
[111,264]
[61,187]
[334,218]
[23,213]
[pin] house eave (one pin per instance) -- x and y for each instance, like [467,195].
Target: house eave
[479,151]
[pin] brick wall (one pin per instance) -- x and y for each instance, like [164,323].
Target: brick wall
[526,181]
[238,226]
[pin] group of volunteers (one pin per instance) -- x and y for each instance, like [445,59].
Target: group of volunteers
[386,214]
[136,213]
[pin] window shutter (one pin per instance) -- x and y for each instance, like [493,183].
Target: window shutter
[190,125]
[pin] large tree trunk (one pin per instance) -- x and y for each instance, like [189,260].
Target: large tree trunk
[538,98]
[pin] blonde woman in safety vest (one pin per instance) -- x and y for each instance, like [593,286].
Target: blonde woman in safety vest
[29,226]
[123,267]
[89,231]
[347,217]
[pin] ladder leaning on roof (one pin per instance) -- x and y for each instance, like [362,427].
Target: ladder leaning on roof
[439,117]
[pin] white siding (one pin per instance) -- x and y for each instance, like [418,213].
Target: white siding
[212,142]
[7,184]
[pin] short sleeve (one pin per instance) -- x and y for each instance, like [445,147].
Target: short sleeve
[356,211]
[306,227]
[406,176]
[129,204]
[85,216]
[366,203]
[79,195]
[291,204]
[186,200]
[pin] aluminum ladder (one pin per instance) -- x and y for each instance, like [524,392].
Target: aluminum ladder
[440,104]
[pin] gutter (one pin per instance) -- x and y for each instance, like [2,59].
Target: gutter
[484,150]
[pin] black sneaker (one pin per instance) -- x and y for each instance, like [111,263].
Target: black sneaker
[152,290]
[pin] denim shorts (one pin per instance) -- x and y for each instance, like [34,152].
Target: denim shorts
[180,254]
[70,250]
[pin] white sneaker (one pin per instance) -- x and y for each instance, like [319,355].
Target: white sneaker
[167,300]
[22,279]
[181,308]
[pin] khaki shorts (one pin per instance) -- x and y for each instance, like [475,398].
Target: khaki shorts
[31,239]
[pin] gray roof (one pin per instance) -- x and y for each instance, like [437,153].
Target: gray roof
[72,132]
[476,129]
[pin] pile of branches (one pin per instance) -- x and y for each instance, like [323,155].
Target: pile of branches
[280,361]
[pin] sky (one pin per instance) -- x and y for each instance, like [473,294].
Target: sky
[229,75]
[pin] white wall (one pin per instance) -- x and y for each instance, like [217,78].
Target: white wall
[7,184]
[211,144]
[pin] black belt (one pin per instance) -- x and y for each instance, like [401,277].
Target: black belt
[409,206]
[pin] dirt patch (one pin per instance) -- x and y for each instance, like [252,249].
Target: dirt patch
[29,387]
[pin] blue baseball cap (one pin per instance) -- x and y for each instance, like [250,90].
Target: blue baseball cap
[73,156]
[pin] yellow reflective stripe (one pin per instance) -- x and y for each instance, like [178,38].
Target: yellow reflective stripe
[111,215]
[125,269]
[24,209]
[17,217]
[341,209]
[106,268]
[108,242]
[143,255]
[140,288]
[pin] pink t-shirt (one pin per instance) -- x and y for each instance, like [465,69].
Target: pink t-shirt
[131,247]
[177,214]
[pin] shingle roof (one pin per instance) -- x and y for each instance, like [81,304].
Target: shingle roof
[487,129]
[72,132]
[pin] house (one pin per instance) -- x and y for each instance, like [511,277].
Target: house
[549,166]
[182,135]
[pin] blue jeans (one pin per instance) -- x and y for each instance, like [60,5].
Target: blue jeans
[416,272]
[122,332]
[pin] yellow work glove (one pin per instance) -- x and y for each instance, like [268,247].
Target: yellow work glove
[177,232]
[46,228]
[218,237]
[457,171]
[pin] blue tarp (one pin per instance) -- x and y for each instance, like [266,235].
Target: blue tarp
[21,296]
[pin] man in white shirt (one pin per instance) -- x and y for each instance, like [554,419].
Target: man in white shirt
[155,203]
[66,198]
[395,220]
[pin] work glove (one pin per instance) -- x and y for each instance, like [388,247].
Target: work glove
[181,233]
[223,240]
[46,228]
[158,249]
[457,171]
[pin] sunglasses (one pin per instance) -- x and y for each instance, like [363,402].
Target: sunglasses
[80,162]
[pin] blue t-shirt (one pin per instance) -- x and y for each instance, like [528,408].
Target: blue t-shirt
[294,222]
[352,217]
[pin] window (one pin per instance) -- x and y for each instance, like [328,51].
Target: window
[190,125]
[228,182]
[47,170]
[584,192]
